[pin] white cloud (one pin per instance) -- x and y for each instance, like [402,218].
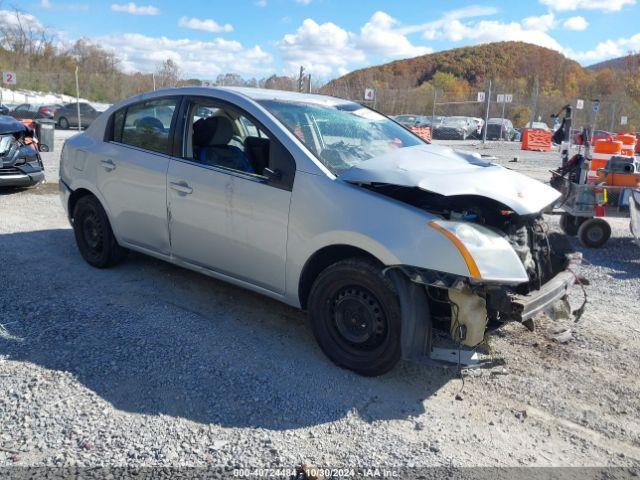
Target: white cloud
[303,2]
[205,59]
[542,23]
[325,48]
[206,24]
[602,5]
[576,23]
[608,49]
[133,9]
[430,29]
[9,18]
[45,4]
[261,3]
[319,47]
[381,36]
[487,31]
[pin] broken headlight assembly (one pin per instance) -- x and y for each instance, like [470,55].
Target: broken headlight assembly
[488,255]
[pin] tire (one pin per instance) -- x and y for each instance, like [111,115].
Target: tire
[94,236]
[570,224]
[63,123]
[355,317]
[594,232]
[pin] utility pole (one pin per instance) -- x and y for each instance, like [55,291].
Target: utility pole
[502,118]
[534,101]
[433,111]
[301,79]
[486,115]
[309,83]
[613,116]
[78,100]
[153,76]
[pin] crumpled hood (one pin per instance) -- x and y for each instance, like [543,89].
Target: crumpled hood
[451,172]
[10,125]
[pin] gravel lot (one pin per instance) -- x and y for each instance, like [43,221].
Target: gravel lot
[150,364]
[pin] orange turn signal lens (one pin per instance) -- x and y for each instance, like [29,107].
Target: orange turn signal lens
[474,271]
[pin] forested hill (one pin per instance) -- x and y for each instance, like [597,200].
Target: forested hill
[503,60]
[410,85]
[621,63]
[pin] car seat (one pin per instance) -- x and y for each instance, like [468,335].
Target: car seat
[211,137]
[257,152]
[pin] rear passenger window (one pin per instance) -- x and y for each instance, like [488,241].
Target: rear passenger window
[146,125]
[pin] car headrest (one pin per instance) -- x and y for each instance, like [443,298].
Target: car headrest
[150,122]
[212,131]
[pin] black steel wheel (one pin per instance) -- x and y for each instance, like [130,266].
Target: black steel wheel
[594,232]
[355,317]
[93,233]
[63,123]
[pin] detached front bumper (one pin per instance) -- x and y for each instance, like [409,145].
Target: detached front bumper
[524,307]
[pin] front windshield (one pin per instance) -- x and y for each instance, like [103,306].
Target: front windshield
[342,135]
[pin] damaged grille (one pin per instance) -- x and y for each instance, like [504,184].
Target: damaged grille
[9,170]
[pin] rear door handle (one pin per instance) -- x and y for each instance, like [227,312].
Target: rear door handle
[181,187]
[108,165]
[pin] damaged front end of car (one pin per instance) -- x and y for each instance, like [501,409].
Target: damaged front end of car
[20,162]
[493,217]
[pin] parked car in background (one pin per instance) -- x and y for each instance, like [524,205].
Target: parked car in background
[4,109]
[34,111]
[597,135]
[409,120]
[67,116]
[323,204]
[454,128]
[500,129]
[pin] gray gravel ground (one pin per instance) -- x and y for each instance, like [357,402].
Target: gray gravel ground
[151,364]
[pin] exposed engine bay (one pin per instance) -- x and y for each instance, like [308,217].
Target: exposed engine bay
[467,309]
[20,162]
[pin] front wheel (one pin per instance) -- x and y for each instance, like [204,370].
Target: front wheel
[594,233]
[93,233]
[355,317]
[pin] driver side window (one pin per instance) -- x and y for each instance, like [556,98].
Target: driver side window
[220,135]
[223,137]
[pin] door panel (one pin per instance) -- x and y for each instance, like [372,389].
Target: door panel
[229,223]
[133,183]
[132,172]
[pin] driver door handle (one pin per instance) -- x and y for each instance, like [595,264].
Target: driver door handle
[182,187]
[108,164]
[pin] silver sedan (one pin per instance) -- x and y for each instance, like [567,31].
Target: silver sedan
[323,204]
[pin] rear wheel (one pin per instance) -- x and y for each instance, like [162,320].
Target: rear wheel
[355,317]
[93,233]
[594,233]
[63,123]
[570,224]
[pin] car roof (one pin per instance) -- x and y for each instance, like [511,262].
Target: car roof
[255,94]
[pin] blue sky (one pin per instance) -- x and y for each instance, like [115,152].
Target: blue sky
[331,37]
